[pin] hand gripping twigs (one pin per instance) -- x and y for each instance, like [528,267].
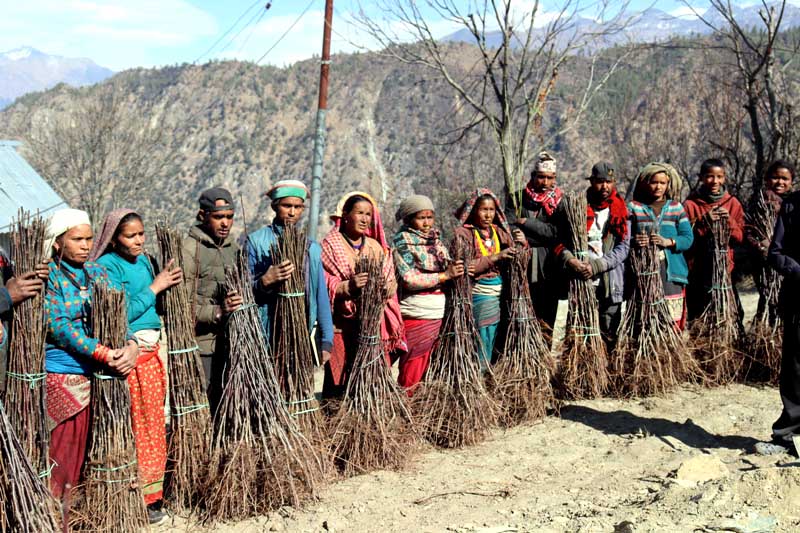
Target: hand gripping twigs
[451,405]
[26,505]
[583,371]
[291,340]
[373,428]
[189,445]
[716,332]
[651,355]
[765,337]
[25,385]
[113,496]
[260,460]
[522,375]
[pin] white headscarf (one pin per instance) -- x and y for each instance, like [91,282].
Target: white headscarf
[61,222]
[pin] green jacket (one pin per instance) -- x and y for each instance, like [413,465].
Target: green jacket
[204,268]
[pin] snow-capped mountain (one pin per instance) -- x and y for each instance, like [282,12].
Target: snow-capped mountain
[26,69]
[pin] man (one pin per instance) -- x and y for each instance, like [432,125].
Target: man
[17,289]
[206,253]
[784,256]
[609,238]
[534,214]
[288,199]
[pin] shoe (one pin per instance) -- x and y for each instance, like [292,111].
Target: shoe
[156,516]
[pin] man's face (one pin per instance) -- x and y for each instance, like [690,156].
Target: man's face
[543,181]
[288,210]
[602,187]
[218,224]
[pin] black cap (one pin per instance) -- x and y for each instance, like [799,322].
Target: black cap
[208,200]
[602,171]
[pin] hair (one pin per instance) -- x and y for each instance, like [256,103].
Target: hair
[778,164]
[708,164]
[351,203]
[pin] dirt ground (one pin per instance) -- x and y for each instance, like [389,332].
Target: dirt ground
[684,462]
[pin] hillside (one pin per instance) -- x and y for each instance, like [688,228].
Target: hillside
[245,126]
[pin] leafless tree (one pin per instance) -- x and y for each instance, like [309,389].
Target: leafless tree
[761,59]
[101,154]
[512,67]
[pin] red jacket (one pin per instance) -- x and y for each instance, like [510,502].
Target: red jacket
[696,208]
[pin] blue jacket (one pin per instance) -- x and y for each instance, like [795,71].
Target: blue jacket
[259,252]
[672,224]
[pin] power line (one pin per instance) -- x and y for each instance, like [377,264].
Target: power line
[253,29]
[221,37]
[290,28]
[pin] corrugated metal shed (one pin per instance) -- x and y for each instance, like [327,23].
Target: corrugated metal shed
[21,186]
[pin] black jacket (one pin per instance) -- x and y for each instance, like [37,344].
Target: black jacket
[784,251]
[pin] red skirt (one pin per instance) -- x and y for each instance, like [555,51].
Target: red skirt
[421,336]
[148,388]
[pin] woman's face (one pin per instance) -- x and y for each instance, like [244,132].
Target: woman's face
[422,221]
[130,240]
[658,186]
[483,214]
[713,180]
[780,181]
[358,221]
[74,245]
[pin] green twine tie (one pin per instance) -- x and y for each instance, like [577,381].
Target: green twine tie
[182,410]
[291,294]
[185,350]
[31,379]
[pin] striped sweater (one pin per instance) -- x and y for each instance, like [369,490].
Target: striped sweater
[672,223]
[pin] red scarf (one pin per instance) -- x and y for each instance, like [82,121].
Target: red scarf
[548,200]
[617,215]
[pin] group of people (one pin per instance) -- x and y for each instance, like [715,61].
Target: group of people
[417,267]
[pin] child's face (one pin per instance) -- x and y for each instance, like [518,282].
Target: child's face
[780,181]
[658,186]
[713,180]
[484,214]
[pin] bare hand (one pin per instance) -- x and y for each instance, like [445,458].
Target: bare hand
[169,277]
[358,281]
[642,240]
[455,270]
[123,361]
[26,285]
[508,253]
[277,273]
[581,268]
[471,268]
[722,212]
[43,270]
[660,241]
[233,301]
[326,356]
[519,237]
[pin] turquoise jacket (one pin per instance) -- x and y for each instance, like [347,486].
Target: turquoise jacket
[135,279]
[259,252]
[672,224]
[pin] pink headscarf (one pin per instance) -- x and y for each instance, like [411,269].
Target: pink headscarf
[376,230]
[110,225]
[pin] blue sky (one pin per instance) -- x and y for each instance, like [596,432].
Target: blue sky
[121,34]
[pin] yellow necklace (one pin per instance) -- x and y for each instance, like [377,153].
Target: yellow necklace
[483,245]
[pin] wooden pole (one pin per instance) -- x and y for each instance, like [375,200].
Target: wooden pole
[319,138]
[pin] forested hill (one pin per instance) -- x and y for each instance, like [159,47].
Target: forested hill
[245,126]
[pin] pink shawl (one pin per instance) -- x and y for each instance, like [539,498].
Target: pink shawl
[337,261]
[110,224]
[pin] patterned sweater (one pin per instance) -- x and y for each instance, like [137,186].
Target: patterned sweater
[672,223]
[69,348]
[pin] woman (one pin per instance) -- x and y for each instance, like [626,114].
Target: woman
[709,203]
[484,225]
[120,250]
[658,219]
[423,266]
[72,355]
[777,186]
[357,232]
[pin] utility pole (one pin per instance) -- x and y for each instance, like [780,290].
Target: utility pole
[319,138]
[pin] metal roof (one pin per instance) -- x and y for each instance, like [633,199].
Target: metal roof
[22,187]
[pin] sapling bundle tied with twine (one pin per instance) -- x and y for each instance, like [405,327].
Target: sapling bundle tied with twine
[260,459]
[452,406]
[25,387]
[583,368]
[716,332]
[651,355]
[189,445]
[291,339]
[112,494]
[372,428]
[26,505]
[522,375]
[765,337]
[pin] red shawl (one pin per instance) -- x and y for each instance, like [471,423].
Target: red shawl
[548,200]
[617,215]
